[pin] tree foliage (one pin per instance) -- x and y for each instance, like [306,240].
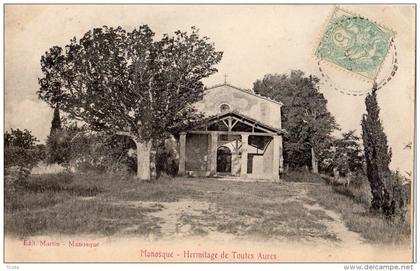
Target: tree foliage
[305,116]
[345,154]
[57,144]
[58,147]
[103,152]
[127,81]
[18,138]
[20,149]
[79,148]
[56,121]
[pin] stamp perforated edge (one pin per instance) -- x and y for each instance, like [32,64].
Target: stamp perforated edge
[353,74]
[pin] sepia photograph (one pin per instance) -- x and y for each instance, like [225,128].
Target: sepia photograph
[209,133]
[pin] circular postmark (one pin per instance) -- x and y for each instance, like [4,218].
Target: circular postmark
[355,52]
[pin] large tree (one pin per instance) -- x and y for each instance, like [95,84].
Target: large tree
[378,156]
[130,83]
[345,154]
[304,116]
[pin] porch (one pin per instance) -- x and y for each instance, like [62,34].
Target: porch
[232,145]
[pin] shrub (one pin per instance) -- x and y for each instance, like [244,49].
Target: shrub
[302,175]
[20,149]
[166,158]
[359,191]
[102,153]
[18,156]
[58,147]
[399,195]
[13,178]
[359,194]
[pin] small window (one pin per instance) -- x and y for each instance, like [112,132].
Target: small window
[224,108]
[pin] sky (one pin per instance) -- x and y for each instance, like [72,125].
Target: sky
[256,40]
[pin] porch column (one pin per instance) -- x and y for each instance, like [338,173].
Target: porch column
[182,144]
[244,155]
[276,157]
[213,153]
[281,166]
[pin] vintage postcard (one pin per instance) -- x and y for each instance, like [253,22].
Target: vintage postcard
[209,133]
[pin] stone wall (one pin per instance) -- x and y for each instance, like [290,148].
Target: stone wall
[196,152]
[263,164]
[244,103]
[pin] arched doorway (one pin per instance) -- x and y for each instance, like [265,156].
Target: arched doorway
[224,160]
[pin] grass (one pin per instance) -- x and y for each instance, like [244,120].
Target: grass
[353,203]
[253,216]
[50,189]
[61,203]
[79,217]
[357,216]
[102,204]
[302,176]
[106,205]
[359,194]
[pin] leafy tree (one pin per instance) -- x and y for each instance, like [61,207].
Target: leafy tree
[129,83]
[345,154]
[304,116]
[18,138]
[378,157]
[20,149]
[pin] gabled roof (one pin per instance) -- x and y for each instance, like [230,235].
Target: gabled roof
[250,92]
[244,118]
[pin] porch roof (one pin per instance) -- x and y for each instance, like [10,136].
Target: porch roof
[244,119]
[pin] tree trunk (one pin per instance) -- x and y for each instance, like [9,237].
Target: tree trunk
[143,160]
[314,161]
[336,173]
[153,157]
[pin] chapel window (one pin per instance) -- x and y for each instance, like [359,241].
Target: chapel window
[224,108]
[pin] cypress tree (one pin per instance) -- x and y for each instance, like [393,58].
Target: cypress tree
[378,156]
[57,147]
[56,121]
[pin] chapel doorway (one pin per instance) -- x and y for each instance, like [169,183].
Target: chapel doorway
[224,160]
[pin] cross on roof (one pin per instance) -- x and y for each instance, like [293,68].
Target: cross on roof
[226,76]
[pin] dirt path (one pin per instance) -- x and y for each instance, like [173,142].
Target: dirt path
[178,219]
[336,226]
[334,222]
[189,218]
[203,218]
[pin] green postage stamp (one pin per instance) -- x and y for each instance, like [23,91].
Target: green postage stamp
[355,43]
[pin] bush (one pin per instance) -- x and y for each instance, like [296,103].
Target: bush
[102,153]
[399,196]
[359,190]
[58,147]
[359,194]
[166,158]
[20,149]
[14,177]
[302,175]
[18,156]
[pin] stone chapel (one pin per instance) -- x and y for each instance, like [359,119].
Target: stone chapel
[241,137]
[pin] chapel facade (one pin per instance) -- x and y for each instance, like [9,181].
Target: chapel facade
[241,136]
